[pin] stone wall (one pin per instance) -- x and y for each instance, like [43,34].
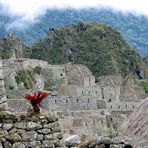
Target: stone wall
[3,103]
[21,131]
[72,103]
[58,71]
[122,106]
[86,122]
[32,63]
[79,75]
[74,90]
[75,103]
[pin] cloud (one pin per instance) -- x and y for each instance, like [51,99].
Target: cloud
[29,10]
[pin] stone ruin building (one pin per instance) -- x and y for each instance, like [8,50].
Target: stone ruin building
[82,104]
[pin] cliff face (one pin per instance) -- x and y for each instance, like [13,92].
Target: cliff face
[19,130]
[136,126]
[100,47]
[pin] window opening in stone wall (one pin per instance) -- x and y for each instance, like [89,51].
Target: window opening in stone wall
[133,106]
[82,92]
[111,119]
[102,92]
[118,106]
[126,106]
[77,100]
[102,122]
[89,92]
[66,101]
[111,107]
[110,100]
[86,123]
[55,101]
[61,74]
[88,100]
[94,123]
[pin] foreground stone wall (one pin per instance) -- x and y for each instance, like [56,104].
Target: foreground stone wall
[21,131]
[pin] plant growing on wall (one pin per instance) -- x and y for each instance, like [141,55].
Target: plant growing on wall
[113,131]
[37,69]
[35,99]
[25,76]
[144,84]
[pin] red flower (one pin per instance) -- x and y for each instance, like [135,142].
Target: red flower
[35,99]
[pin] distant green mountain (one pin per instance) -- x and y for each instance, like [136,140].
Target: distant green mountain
[100,47]
[134,28]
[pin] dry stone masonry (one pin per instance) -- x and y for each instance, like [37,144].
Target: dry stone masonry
[3,103]
[21,131]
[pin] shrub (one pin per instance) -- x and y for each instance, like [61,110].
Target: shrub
[144,84]
[37,69]
[11,87]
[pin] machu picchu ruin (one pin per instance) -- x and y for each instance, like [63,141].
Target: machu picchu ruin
[82,102]
[82,85]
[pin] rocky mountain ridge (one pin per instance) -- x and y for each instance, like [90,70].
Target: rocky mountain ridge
[100,47]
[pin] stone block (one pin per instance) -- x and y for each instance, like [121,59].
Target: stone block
[49,137]
[101,146]
[1,146]
[56,130]
[14,130]
[29,136]
[34,144]
[40,137]
[44,131]
[57,135]
[7,126]
[33,126]
[18,145]
[7,144]
[3,133]
[20,125]
[56,142]
[47,144]
[51,125]
[13,138]
[114,146]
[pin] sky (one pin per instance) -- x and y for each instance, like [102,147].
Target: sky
[29,10]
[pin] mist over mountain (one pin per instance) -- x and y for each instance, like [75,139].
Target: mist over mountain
[133,27]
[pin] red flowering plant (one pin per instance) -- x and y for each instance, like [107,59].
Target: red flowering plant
[35,99]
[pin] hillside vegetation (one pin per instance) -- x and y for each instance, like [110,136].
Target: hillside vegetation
[10,45]
[133,27]
[100,47]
